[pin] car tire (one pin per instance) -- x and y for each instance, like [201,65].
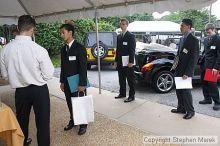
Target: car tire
[102,48]
[163,82]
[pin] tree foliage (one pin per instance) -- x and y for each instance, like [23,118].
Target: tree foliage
[199,17]
[136,17]
[83,26]
[48,36]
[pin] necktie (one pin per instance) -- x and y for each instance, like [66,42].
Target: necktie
[176,60]
[175,63]
[67,48]
[209,40]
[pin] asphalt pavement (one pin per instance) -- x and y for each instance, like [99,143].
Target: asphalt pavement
[109,81]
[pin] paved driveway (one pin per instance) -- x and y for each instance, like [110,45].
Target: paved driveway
[109,82]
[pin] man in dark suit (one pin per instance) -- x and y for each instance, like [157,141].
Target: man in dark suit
[184,64]
[73,61]
[211,60]
[126,45]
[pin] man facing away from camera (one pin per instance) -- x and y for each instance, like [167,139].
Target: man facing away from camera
[27,66]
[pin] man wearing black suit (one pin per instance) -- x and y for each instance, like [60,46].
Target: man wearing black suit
[184,64]
[73,61]
[211,60]
[126,45]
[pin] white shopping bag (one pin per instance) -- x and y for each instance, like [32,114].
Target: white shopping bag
[83,109]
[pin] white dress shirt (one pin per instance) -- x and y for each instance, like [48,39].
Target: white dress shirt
[23,62]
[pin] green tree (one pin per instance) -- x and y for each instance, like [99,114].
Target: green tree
[47,35]
[199,17]
[131,18]
[83,26]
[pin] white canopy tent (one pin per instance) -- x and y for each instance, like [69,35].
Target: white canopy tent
[152,26]
[55,10]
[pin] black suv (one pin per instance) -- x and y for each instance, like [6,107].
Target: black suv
[153,64]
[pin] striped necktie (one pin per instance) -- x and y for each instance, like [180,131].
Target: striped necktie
[175,63]
[176,60]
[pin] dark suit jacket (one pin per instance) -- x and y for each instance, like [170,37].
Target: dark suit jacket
[125,47]
[74,62]
[212,53]
[188,56]
[202,58]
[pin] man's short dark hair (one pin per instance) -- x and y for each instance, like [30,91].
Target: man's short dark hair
[26,22]
[209,26]
[124,19]
[68,27]
[187,22]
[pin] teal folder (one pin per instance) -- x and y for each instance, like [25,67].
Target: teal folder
[73,82]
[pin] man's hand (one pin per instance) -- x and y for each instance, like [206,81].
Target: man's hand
[62,86]
[214,71]
[81,89]
[184,77]
[130,65]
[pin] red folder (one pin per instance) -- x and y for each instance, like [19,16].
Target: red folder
[210,77]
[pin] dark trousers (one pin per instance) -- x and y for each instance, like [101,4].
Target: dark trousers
[209,89]
[38,97]
[185,102]
[68,96]
[123,74]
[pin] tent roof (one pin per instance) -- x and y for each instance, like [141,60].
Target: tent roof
[152,26]
[50,10]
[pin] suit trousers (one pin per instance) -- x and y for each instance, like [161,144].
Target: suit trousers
[38,97]
[123,74]
[185,102]
[209,89]
[68,96]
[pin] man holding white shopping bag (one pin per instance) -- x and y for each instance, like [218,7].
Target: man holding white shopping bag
[73,62]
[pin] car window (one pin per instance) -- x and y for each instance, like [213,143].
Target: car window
[106,38]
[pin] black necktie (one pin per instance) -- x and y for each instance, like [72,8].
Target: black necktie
[67,48]
[209,40]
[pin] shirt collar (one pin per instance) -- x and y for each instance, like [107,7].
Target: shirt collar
[70,44]
[23,37]
[186,35]
[123,33]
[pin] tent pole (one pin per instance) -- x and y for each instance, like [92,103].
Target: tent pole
[210,13]
[97,41]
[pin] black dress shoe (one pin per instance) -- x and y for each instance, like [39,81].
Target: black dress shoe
[205,101]
[82,130]
[129,99]
[178,111]
[28,141]
[69,126]
[188,115]
[216,107]
[120,96]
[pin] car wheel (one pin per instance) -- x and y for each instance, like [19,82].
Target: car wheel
[103,50]
[163,82]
